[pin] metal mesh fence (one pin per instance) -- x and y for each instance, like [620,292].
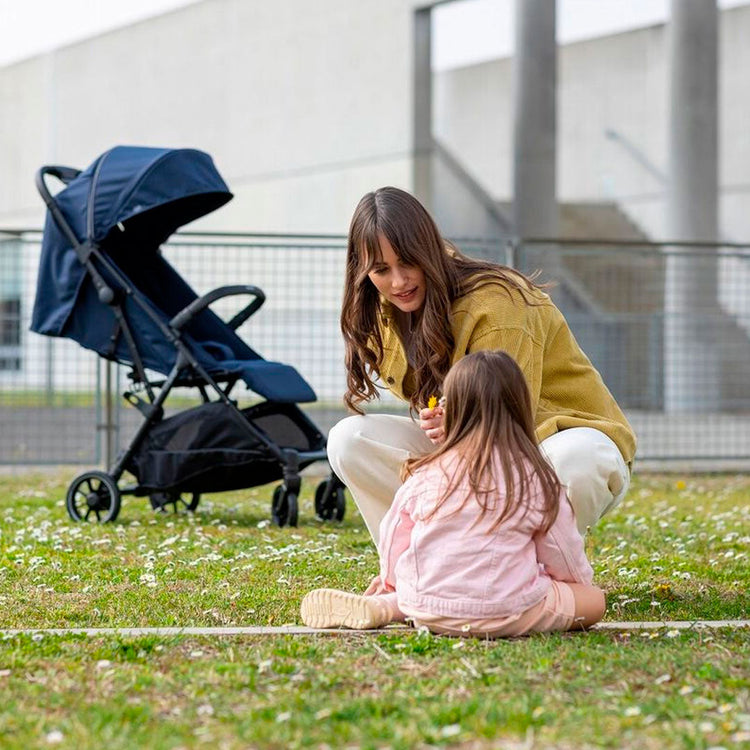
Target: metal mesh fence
[667,326]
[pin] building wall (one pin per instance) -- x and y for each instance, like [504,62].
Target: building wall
[615,83]
[304,106]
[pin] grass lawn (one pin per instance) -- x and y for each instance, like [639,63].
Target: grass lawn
[677,549]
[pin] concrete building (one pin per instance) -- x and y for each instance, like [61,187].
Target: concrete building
[306,106]
[303,105]
[613,129]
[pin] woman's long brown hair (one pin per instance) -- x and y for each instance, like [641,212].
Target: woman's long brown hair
[414,236]
[487,415]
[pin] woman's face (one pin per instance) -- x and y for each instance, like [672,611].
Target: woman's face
[402,285]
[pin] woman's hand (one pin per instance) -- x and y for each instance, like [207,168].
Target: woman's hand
[431,421]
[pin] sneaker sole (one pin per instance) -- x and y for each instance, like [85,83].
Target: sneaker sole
[329,608]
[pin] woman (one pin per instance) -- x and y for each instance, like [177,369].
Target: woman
[413,306]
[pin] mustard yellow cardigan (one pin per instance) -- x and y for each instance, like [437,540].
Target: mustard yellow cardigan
[566,389]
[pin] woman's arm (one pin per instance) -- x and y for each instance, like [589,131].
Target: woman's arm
[515,342]
[490,319]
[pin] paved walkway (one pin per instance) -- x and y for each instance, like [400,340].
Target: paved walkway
[302,630]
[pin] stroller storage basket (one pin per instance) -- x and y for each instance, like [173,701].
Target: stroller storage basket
[208,449]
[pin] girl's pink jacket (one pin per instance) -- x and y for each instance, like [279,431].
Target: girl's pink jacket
[452,565]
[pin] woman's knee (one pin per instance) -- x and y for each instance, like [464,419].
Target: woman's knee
[590,466]
[343,438]
[579,451]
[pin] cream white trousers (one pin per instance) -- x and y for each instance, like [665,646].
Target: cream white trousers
[367,452]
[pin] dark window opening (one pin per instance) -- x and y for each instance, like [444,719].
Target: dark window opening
[10,334]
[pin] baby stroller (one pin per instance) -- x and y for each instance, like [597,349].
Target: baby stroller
[104,283]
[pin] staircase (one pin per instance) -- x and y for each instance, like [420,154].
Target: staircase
[614,279]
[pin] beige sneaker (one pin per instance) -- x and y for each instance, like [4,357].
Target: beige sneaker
[330,608]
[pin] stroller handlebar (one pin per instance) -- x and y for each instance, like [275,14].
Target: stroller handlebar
[65,174]
[187,314]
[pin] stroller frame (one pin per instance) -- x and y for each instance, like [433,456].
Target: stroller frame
[95,495]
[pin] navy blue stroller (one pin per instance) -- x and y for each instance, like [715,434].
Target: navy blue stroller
[104,283]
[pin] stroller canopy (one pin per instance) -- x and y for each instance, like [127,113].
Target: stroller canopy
[147,193]
[127,203]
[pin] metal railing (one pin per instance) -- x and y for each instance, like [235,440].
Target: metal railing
[667,325]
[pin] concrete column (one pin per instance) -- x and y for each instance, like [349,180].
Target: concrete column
[692,371]
[535,210]
[422,136]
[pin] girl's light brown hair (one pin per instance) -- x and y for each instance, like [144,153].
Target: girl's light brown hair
[487,414]
[414,236]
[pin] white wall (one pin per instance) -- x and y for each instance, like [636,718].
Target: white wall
[617,82]
[304,106]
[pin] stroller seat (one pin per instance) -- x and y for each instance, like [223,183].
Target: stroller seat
[273,380]
[104,283]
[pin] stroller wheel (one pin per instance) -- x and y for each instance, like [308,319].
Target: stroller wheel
[284,507]
[329,504]
[163,502]
[93,496]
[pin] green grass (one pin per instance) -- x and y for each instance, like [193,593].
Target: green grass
[18,398]
[675,550]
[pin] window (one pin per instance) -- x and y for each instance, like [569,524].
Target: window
[10,334]
[10,305]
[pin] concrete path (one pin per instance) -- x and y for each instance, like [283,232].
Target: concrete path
[302,630]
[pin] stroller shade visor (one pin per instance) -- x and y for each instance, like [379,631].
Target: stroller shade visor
[143,193]
[127,203]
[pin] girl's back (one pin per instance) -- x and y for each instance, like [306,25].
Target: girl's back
[448,558]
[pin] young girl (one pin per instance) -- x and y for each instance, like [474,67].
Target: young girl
[480,539]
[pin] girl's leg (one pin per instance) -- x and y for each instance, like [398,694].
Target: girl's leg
[592,470]
[330,608]
[567,606]
[367,452]
[590,605]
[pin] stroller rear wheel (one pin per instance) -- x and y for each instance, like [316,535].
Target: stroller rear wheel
[284,507]
[329,503]
[93,496]
[163,502]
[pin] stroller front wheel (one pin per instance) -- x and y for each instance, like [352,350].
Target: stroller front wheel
[93,496]
[284,507]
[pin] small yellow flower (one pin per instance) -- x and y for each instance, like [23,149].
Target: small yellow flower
[664,590]
[432,402]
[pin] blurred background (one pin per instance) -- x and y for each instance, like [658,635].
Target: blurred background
[605,142]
